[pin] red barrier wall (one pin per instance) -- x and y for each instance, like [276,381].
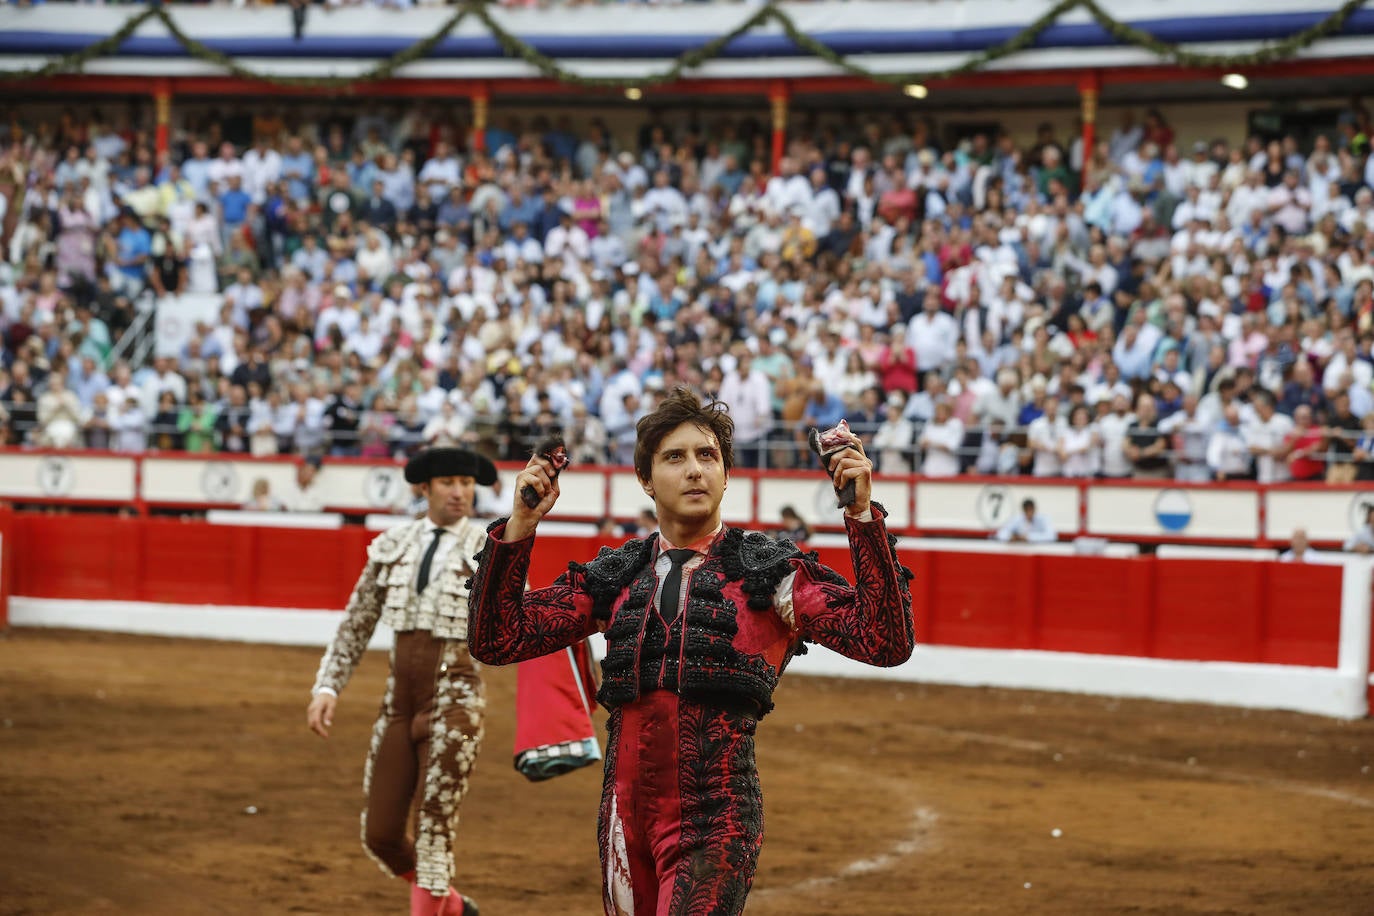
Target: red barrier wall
[6,563]
[1176,609]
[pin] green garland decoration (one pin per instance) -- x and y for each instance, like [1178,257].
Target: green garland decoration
[517,48]
[78,59]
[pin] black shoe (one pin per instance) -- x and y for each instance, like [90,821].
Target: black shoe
[469,908]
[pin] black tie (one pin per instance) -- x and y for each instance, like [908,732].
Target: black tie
[428,561]
[672,583]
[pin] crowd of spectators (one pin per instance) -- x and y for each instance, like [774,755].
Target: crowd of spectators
[972,305]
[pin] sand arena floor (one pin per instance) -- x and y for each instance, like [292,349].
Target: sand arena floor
[127,766]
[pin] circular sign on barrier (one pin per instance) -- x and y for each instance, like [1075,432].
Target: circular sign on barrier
[994,505]
[219,482]
[823,501]
[56,476]
[1360,504]
[1173,510]
[382,487]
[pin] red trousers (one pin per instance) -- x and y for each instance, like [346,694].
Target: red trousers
[681,818]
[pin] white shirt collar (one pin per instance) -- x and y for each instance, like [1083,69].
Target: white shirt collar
[454,529]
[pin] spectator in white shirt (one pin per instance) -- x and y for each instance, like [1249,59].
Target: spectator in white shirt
[303,493]
[823,209]
[932,334]
[225,167]
[1001,403]
[130,427]
[445,429]
[1030,527]
[1265,436]
[1078,444]
[893,440]
[941,440]
[1298,550]
[568,241]
[441,171]
[1228,455]
[1043,436]
[749,395]
[261,168]
[1111,431]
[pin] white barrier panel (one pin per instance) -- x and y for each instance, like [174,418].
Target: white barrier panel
[582,494]
[1174,512]
[167,480]
[376,487]
[1328,515]
[1323,691]
[814,500]
[988,506]
[246,519]
[738,505]
[627,496]
[37,476]
[280,626]
[1192,552]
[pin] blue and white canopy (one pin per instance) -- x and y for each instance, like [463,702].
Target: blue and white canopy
[632,41]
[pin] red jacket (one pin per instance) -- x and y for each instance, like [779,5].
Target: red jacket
[730,644]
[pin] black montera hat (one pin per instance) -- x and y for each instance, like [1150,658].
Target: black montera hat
[450,462]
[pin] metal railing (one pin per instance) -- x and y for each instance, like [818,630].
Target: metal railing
[387,435]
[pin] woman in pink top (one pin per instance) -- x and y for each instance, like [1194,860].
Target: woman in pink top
[587,208]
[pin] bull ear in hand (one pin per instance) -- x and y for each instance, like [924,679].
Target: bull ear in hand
[555,452]
[828,444]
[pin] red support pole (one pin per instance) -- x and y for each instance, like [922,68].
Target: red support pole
[777,99]
[481,99]
[1089,90]
[162,101]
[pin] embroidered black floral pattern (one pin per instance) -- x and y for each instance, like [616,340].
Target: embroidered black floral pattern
[505,624]
[871,623]
[722,813]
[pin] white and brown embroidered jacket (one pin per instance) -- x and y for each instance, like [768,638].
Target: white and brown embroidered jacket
[386,592]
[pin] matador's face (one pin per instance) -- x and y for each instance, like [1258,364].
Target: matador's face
[450,498]
[688,475]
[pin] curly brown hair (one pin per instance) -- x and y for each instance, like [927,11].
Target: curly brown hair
[679,407]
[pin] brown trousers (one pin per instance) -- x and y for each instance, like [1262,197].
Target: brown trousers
[424,744]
